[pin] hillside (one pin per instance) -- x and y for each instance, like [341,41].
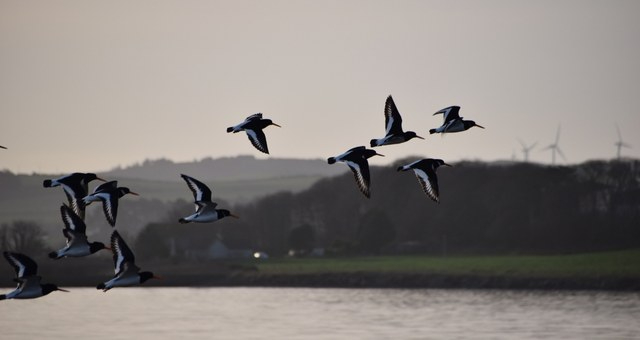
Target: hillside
[227,169]
[232,180]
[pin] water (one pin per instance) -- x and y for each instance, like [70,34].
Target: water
[300,313]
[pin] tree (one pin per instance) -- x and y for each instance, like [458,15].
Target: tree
[375,231]
[302,239]
[22,237]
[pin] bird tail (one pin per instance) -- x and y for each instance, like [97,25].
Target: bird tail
[432,131]
[54,255]
[101,286]
[403,168]
[230,129]
[3,296]
[374,142]
[331,160]
[183,221]
[46,183]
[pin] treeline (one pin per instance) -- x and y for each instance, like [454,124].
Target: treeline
[485,209]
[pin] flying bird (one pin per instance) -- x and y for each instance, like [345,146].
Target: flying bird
[393,127]
[253,126]
[356,159]
[127,273]
[76,187]
[29,286]
[205,209]
[109,193]
[453,122]
[75,233]
[425,171]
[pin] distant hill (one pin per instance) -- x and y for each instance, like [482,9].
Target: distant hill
[232,180]
[227,169]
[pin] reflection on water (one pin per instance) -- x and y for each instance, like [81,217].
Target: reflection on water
[297,313]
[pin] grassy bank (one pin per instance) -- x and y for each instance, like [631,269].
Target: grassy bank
[615,264]
[619,270]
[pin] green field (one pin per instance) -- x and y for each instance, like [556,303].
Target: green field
[606,264]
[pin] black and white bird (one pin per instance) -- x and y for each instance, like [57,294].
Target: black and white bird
[109,193]
[205,209]
[127,273]
[76,187]
[393,127]
[253,126]
[453,122]
[75,233]
[425,171]
[27,277]
[356,159]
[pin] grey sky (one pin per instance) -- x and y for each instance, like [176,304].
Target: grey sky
[89,85]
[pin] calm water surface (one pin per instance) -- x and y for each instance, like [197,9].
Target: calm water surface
[299,313]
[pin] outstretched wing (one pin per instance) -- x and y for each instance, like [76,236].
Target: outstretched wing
[106,187]
[72,221]
[258,139]
[450,113]
[23,265]
[392,118]
[121,253]
[110,208]
[254,116]
[429,183]
[200,191]
[360,171]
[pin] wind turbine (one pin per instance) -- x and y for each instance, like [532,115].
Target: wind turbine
[555,148]
[526,149]
[620,143]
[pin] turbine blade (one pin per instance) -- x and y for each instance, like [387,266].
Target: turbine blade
[561,154]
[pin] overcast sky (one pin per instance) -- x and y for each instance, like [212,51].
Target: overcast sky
[90,85]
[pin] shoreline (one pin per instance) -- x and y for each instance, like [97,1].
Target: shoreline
[374,280]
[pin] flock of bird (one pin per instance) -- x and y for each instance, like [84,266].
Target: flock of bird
[76,186]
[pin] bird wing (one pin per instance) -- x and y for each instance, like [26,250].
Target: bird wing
[258,139]
[450,113]
[121,253]
[110,207]
[71,220]
[392,118]
[360,171]
[202,206]
[23,265]
[75,198]
[200,191]
[74,237]
[429,183]
[255,116]
[106,187]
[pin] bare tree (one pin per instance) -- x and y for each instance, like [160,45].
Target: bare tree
[22,236]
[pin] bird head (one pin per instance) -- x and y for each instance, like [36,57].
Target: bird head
[226,213]
[145,276]
[411,134]
[50,287]
[469,124]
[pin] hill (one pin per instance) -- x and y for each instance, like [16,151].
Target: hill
[226,169]
[232,180]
